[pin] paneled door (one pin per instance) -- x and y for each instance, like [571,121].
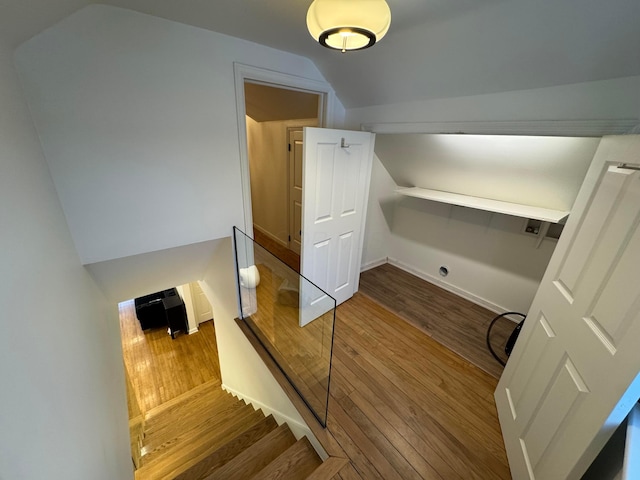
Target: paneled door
[572,377]
[337,168]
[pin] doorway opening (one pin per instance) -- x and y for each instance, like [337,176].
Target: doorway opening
[275,118]
[318,101]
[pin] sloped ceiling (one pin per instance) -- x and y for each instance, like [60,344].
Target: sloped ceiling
[435,48]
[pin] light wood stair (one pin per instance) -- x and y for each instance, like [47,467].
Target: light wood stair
[208,434]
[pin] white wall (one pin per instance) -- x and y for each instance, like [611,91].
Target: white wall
[607,99]
[380,211]
[129,277]
[489,260]
[539,171]
[269,172]
[63,397]
[137,117]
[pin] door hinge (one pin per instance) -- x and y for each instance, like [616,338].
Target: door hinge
[289,237]
[289,147]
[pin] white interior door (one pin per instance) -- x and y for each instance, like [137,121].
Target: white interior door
[572,377]
[201,306]
[295,189]
[337,168]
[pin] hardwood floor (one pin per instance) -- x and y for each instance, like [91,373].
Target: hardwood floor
[453,321]
[289,257]
[403,406]
[160,368]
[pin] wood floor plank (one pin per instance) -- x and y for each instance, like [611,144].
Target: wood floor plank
[440,407]
[349,473]
[429,372]
[455,322]
[291,258]
[385,443]
[436,445]
[371,453]
[161,368]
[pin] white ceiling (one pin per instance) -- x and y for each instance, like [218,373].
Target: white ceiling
[435,48]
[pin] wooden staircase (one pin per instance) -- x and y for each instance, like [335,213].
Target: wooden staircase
[209,434]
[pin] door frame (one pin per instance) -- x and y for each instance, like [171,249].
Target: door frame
[285,81]
[290,181]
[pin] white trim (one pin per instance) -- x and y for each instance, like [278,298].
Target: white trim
[555,128]
[373,264]
[298,429]
[192,330]
[278,79]
[483,302]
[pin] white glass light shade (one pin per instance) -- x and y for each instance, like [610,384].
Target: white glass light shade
[348,24]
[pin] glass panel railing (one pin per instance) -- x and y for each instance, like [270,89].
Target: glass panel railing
[292,318]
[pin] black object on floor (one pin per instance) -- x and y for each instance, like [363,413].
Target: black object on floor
[512,338]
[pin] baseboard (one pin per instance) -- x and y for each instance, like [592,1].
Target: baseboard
[373,264]
[192,330]
[270,235]
[298,429]
[483,302]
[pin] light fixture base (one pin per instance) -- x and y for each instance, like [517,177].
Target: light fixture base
[351,30]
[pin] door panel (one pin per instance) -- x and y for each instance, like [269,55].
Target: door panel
[320,266]
[323,179]
[567,384]
[337,166]
[345,251]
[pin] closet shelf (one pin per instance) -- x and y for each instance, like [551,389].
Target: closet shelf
[497,206]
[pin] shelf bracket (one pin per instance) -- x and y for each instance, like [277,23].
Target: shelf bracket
[544,229]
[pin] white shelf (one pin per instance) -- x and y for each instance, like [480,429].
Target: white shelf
[497,206]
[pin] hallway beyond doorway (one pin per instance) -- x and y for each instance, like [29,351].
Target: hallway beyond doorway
[161,368]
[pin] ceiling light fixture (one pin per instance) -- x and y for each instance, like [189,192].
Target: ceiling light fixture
[348,24]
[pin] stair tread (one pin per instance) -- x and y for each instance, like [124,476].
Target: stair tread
[208,462]
[155,438]
[328,469]
[181,456]
[256,457]
[209,393]
[208,428]
[296,463]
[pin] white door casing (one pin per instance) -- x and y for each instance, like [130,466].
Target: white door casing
[573,374]
[295,189]
[337,169]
